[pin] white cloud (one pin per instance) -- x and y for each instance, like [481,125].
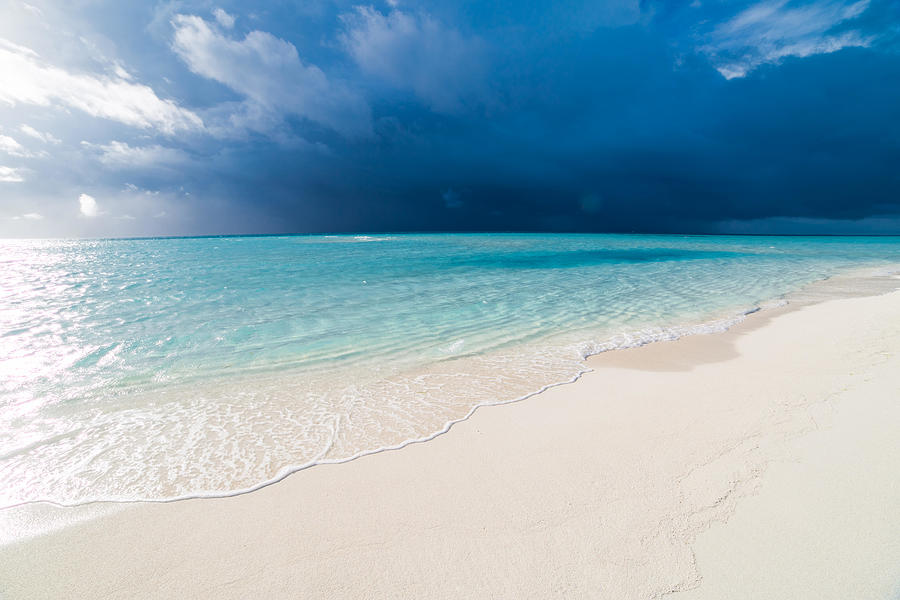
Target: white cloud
[770,31]
[27,79]
[33,9]
[32,216]
[121,155]
[47,138]
[88,206]
[10,146]
[120,71]
[11,175]
[224,19]
[268,73]
[133,189]
[415,52]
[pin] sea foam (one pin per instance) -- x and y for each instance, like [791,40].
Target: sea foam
[165,369]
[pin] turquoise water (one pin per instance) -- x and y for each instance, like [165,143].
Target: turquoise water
[165,368]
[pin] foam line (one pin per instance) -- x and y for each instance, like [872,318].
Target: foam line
[618,342]
[631,341]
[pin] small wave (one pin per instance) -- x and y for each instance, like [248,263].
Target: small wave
[369,238]
[218,393]
[345,239]
[521,374]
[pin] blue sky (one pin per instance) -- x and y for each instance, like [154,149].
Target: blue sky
[183,117]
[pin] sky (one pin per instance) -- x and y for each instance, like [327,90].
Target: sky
[132,118]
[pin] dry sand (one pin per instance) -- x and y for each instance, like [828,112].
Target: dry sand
[758,463]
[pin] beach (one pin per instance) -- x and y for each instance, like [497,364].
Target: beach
[758,462]
[450,300]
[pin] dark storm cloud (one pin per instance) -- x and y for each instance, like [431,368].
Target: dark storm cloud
[614,117]
[664,140]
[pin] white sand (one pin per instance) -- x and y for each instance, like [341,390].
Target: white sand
[826,521]
[785,427]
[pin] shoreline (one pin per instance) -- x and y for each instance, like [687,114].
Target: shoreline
[526,473]
[854,282]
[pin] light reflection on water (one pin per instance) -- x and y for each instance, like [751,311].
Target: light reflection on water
[158,368]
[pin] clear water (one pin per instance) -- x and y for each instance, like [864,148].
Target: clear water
[167,368]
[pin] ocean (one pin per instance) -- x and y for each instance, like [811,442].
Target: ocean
[165,368]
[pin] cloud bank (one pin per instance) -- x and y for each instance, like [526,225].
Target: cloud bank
[193,117]
[773,30]
[29,80]
[268,73]
[416,52]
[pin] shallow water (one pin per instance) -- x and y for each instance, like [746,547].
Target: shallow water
[165,368]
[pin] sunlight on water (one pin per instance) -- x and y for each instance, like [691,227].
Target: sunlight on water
[160,368]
